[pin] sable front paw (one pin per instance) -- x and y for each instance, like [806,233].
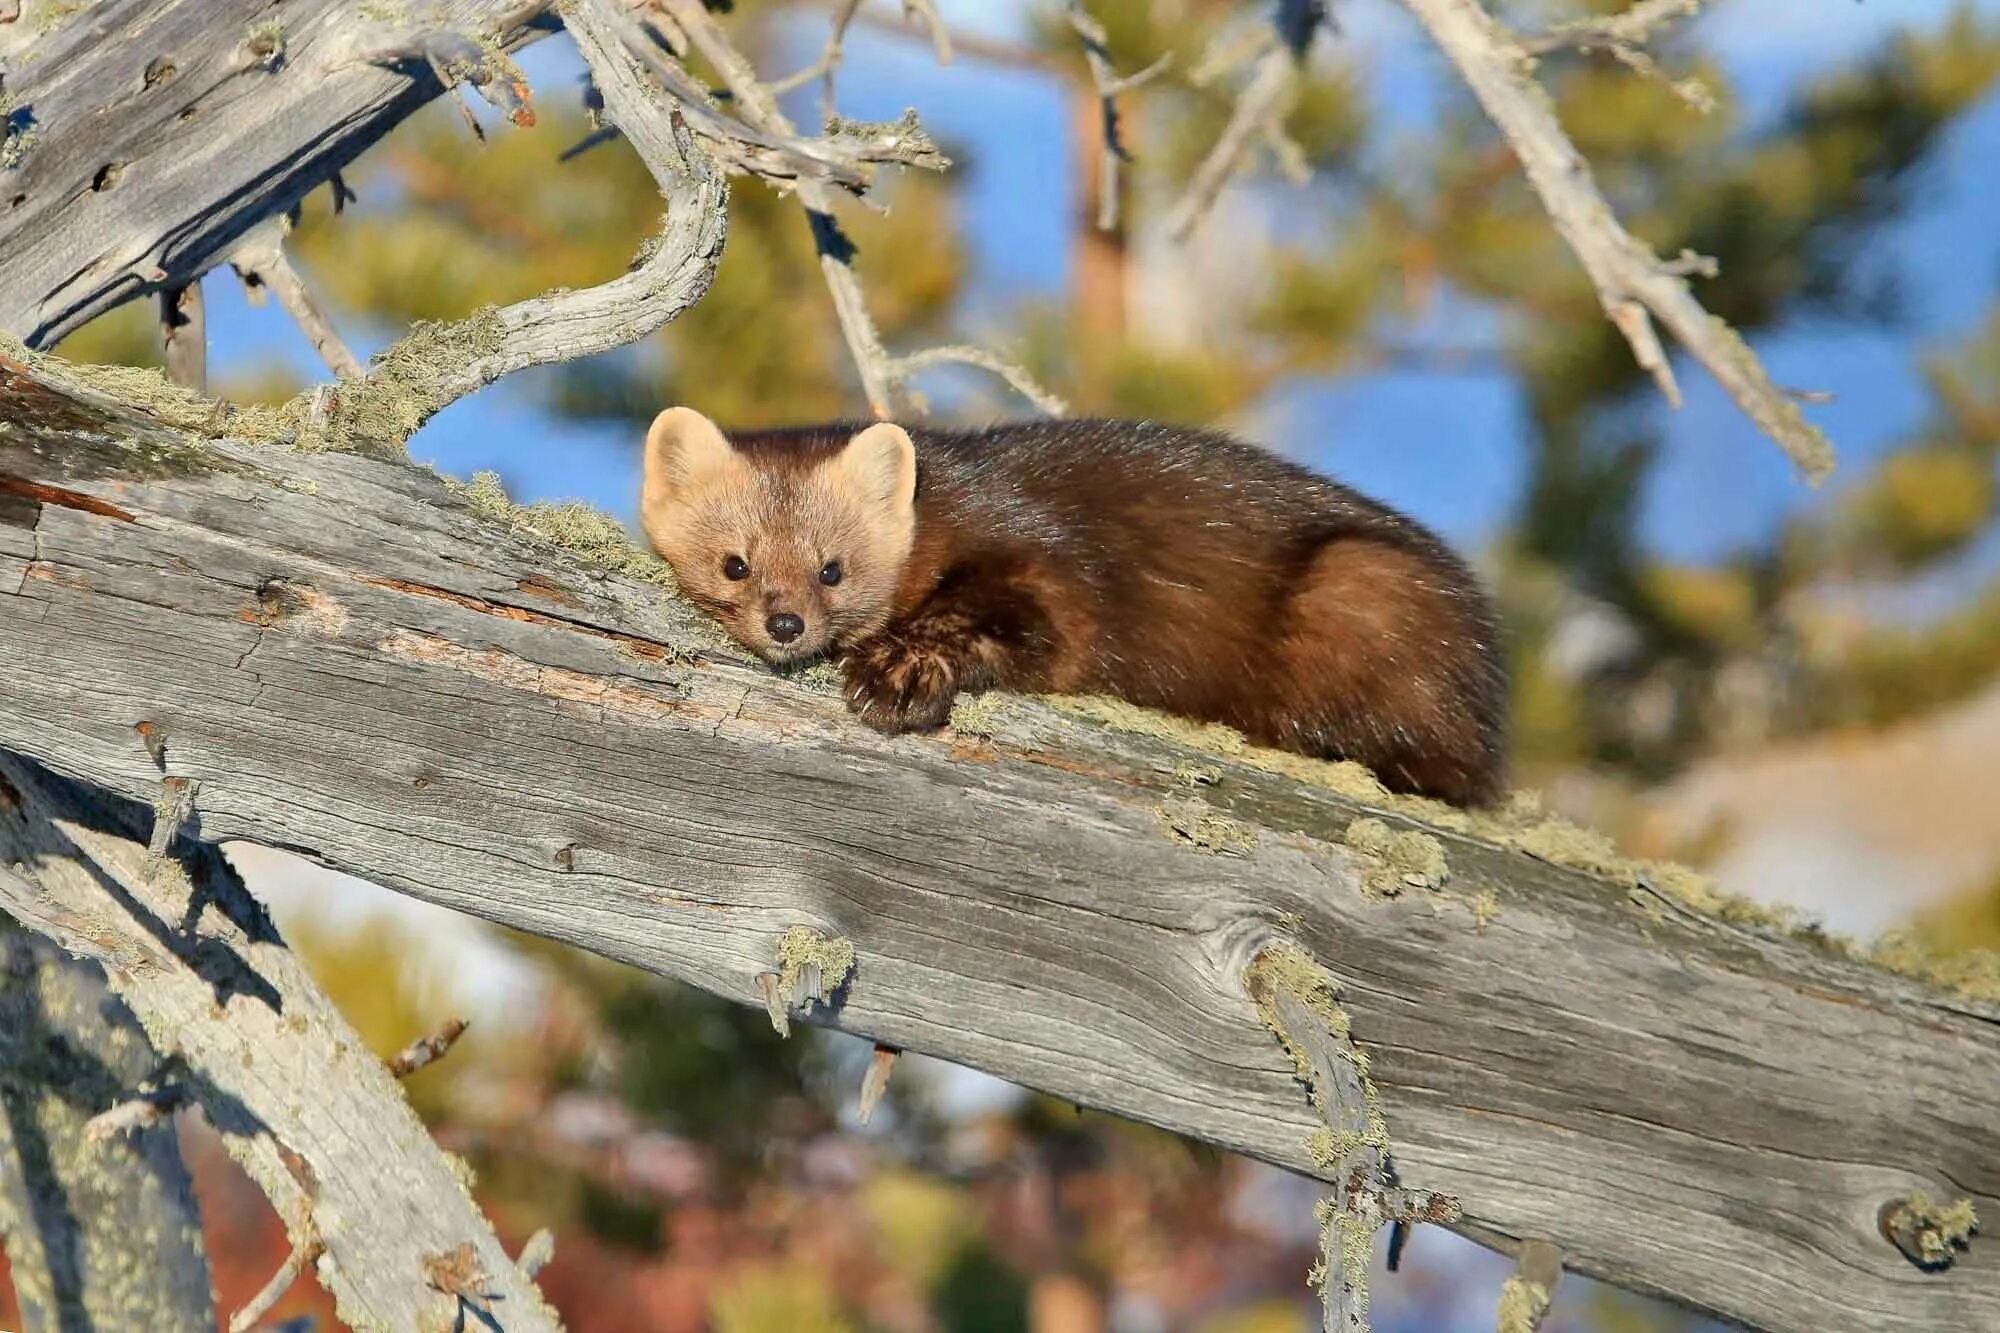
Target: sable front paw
[896,687]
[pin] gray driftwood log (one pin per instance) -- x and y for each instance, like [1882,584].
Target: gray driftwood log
[363,665]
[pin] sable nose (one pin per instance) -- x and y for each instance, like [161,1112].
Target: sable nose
[785,626]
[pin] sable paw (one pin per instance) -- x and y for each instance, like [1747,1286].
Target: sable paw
[898,687]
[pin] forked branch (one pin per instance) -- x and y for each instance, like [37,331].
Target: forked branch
[1633,284]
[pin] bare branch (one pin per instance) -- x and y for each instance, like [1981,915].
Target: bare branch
[1017,377]
[303,1254]
[1633,27]
[260,261]
[1116,978]
[1277,56]
[428,1049]
[1623,37]
[1097,53]
[1632,283]
[184,335]
[536,1253]
[926,10]
[828,63]
[148,1108]
[1530,1289]
[881,374]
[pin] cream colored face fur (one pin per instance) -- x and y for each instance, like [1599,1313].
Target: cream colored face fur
[706,505]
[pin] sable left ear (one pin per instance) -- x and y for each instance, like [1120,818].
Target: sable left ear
[880,463]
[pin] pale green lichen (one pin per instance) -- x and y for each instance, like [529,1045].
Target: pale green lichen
[1347,1236]
[1396,859]
[1190,818]
[1485,906]
[978,715]
[590,534]
[416,377]
[812,965]
[1930,1234]
[1523,1304]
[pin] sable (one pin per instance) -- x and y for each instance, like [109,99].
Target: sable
[1178,569]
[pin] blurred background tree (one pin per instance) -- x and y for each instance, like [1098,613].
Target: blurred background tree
[702,1173]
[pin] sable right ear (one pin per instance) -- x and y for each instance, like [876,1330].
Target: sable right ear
[683,449]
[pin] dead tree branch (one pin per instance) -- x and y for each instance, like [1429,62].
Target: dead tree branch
[83,1214]
[184,336]
[427,1050]
[1624,36]
[1529,1291]
[1097,53]
[80,241]
[1632,283]
[349,1167]
[1618,1062]
[261,263]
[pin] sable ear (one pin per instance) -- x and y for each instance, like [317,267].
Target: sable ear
[683,449]
[880,463]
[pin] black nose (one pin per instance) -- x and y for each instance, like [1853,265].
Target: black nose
[785,626]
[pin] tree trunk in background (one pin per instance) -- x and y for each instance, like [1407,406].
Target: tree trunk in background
[100,1236]
[1099,258]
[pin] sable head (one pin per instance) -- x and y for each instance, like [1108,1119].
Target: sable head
[796,552]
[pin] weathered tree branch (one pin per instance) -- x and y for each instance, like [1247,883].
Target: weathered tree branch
[100,1234]
[317,1121]
[1633,284]
[434,692]
[184,336]
[260,261]
[116,190]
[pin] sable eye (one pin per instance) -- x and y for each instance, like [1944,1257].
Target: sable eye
[735,568]
[829,573]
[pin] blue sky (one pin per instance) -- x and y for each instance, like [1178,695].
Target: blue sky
[1448,448]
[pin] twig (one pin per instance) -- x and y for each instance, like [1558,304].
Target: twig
[148,1108]
[259,260]
[1277,57]
[1633,27]
[1097,53]
[427,1050]
[537,1253]
[828,63]
[1623,37]
[184,335]
[307,1251]
[1530,1289]
[926,10]
[881,374]
[903,367]
[1632,283]
[875,1082]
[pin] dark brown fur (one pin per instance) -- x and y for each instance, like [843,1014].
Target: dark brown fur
[1177,569]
